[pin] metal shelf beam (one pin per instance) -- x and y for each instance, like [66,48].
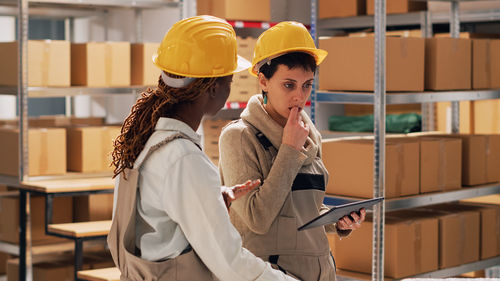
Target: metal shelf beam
[414,18]
[464,268]
[407,98]
[45,92]
[99,3]
[421,200]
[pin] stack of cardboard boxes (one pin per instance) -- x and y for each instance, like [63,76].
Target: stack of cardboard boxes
[351,8]
[417,163]
[244,84]
[53,63]
[424,239]
[211,133]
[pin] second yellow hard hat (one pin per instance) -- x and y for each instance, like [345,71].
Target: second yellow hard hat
[285,37]
[201,46]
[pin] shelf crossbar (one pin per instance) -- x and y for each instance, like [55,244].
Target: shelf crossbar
[407,98]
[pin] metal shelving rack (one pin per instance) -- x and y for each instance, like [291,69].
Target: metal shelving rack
[68,10]
[379,99]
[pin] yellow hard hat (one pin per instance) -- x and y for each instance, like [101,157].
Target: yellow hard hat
[201,46]
[285,37]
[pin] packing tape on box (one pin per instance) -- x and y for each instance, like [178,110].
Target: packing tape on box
[418,247]
[454,45]
[44,148]
[442,164]
[486,157]
[404,47]
[400,170]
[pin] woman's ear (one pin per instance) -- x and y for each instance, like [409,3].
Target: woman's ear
[213,90]
[263,82]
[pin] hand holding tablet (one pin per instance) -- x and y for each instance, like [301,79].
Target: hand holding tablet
[337,212]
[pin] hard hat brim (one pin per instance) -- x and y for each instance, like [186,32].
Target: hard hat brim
[242,64]
[318,54]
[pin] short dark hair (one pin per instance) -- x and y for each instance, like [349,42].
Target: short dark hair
[291,60]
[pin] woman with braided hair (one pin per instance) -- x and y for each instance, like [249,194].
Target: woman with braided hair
[170,220]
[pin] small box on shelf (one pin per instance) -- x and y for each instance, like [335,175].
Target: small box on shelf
[485,63]
[350,63]
[48,63]
[341,8]
[93,207]
[350,163]
[440,164]
[143,71]
[448,64]
[90,148]
[411,246]
[46,151]
[257,10]
[397,6]
[100,64]
[458,234]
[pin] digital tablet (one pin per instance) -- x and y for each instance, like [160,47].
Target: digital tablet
[337,212]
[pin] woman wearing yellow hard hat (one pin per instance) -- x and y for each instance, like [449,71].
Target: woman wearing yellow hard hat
[170,220]
[275,141]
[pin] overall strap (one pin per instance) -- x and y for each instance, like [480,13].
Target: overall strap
[155,147]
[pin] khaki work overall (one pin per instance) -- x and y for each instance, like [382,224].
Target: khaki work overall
[121,238]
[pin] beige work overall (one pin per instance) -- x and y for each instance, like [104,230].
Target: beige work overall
[121,238]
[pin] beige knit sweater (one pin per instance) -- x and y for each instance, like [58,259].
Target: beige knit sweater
[292,191]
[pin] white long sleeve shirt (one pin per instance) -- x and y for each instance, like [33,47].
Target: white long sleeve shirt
[179,203]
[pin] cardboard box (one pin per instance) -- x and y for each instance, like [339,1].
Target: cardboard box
[417,33]
[9,218]
[486,116]
[211,133]
[364,109]
[447,64]
[349,64]
[443,7]
[243,87]
[440,164]
[257,10]
[50,121]
[411,246]
[341,8]
[489,228]
[458,234]
[144,72]
[480,158]
[48,63]
[90,148]
[100,64]
[46,151]
[3,263]
[93,207]
[485,63]
[397,6]
[246,46]
[350,164]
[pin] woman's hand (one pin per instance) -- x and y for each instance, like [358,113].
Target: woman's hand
[232,193]
[346,223]
[295,132]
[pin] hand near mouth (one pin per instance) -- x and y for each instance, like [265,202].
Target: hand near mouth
[296,131]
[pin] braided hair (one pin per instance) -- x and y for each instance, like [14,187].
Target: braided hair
[140,123]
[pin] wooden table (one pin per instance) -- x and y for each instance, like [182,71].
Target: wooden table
[58,188]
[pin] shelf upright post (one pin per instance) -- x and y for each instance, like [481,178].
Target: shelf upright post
[138,25]
[455,33]
[69,24]
[428,111]
[25,264]
[314,34]
[379,141]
